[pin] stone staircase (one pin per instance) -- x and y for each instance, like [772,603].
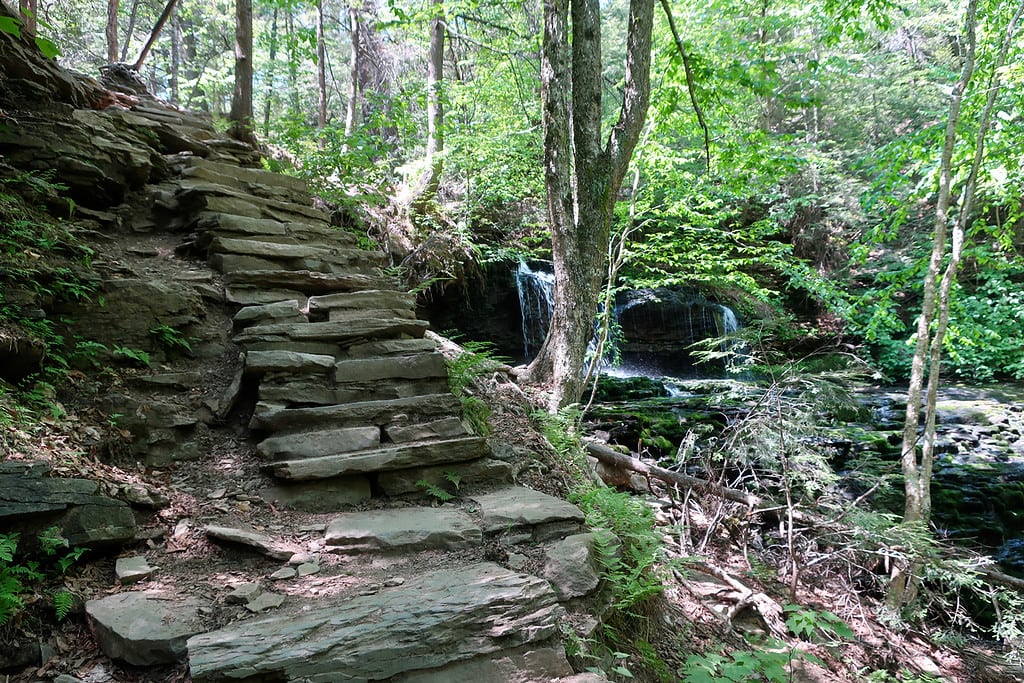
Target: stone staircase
[352,414]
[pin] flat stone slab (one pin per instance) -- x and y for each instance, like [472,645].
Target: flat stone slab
[391,347]
[431,621]
[445,428]
[278,311]
[319,443]
[306,281]
[374,298]
[416,528]
[518,508]
[398,457]
[275,418]
[261,543]
[364,328]
[132,569]
[287,361]
[422,366]
[144,628]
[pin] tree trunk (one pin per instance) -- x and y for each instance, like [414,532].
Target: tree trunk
[164,16]
[112,51]
[428,182]
[583,179]
[269,98]
[352,107]
[293,68]
[27,10]
[241,100]
[132,15]
[321,67]
[176,50]
[917,472]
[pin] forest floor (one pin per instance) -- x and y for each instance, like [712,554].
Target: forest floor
[724,607]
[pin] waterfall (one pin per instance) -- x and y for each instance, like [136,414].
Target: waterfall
[536,290]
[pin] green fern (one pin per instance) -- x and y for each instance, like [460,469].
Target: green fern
[434,491]
[63,601]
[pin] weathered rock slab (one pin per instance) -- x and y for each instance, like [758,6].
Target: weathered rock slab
[319,443]
[445,428]
[417,528]
[398,457]
[438,618]
[527,664]
[519,509]
[144,628]
[276,418]
[261,543]
[287,361]
[132,569]
[423,366]
[482,472]
[325,495]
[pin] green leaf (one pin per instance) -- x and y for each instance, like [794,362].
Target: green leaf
[47,47]
[10,26]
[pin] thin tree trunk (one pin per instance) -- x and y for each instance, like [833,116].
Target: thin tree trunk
[293,68]
[691,87]
[176,49]
[27,10]
[241,101]
[164,16]
[321,67]
[352,108]
[917,504]
[269,98]
[426,186]
[130,31]
[112,51]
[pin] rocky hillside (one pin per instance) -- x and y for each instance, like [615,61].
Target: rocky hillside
[274,455]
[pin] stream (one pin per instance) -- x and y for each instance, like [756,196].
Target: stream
[978,479]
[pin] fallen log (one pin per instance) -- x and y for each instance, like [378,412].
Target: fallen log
[616,459]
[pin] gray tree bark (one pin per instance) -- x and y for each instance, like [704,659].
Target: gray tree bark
[582,175]
[241,101]
[112,51]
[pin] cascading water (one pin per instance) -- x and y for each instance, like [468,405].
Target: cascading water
[536,303]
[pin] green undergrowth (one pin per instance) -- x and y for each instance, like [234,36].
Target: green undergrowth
[628,549]
[26,578]
[476,360]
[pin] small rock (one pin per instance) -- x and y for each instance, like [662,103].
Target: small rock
[65,678]
[394,581]
[144,629]
[312,528]
[283,573]
[132,569]
[301,558]
[517,561]
[259,542]
[219,493]
[243,593]
[265,601]
[307,569]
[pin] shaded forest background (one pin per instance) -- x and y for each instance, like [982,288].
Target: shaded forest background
[787,166]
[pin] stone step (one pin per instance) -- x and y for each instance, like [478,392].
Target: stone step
[320,443]
[199,166]
[242,180]
[305,281]
[523,514]
[391,458]
[335,332]
[309,391]
[261,362]
[367,299]
[221,199]
[402,529]
[391,347]
[422,366]
[214,224]
[276,418]
[440,618]
[230,254]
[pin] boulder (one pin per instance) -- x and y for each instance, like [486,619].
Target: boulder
[261,543]
[571,566]
[144,628]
